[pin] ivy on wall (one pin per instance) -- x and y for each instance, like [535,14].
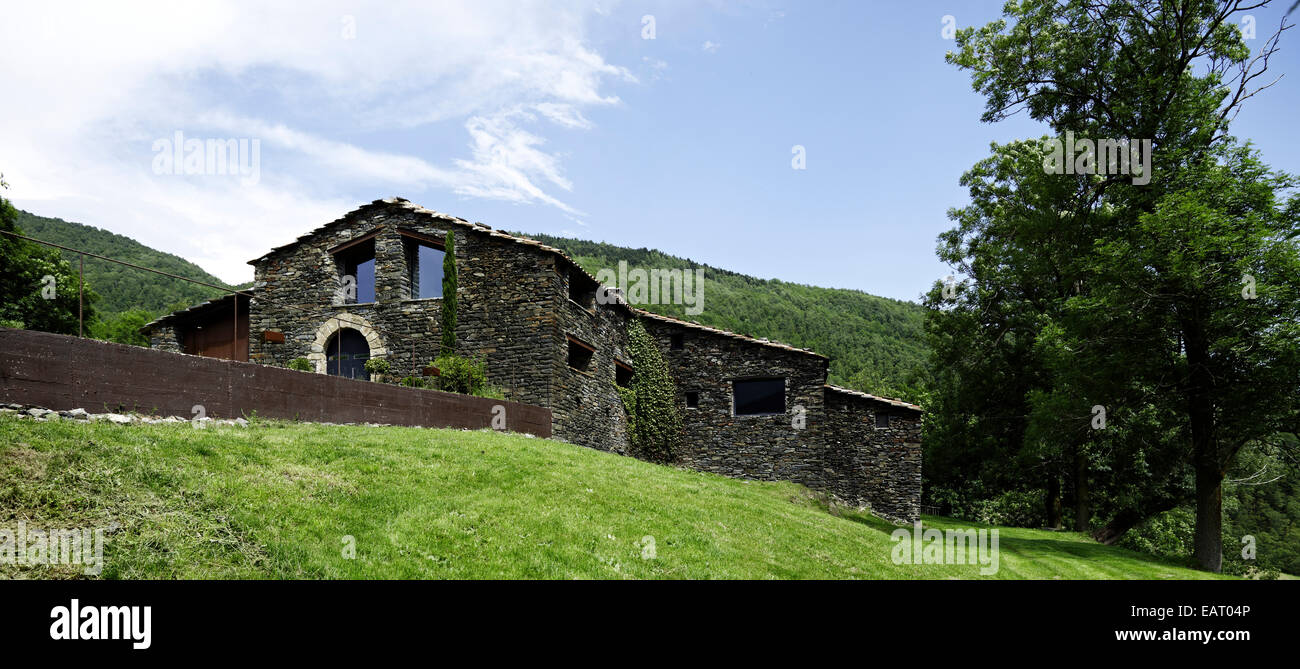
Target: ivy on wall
[654,422]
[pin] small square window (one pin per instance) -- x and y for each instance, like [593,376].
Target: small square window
[675,341]
[882,420]
[580,355]
[622,374]
[692,400]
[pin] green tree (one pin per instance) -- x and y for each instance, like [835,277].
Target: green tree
[449,295]
[1158,326]
[123,328]
[40,290]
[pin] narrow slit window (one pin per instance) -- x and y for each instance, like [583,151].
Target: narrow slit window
[756,397]
[692,399]
[676,341]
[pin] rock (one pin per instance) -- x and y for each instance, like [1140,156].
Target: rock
[241,422]
[79,414]
[113,418]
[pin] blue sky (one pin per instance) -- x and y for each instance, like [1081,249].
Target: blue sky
[542,117]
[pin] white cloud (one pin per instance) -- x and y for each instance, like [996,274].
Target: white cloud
[710,47]
[90,86]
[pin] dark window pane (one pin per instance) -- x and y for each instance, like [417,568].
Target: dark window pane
[365,273]
[882,420]
[346,355]
[759,396]
[692,400]
[675,341]
[430,260]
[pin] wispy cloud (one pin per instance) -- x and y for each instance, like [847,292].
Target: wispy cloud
[98,83]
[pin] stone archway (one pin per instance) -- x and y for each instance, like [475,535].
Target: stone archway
[336,323]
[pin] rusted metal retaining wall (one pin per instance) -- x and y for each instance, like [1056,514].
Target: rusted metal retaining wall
[62,372]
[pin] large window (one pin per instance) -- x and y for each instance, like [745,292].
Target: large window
[358,262]
[425,262]
[758,396]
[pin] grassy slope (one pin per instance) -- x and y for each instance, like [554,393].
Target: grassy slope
[275,500]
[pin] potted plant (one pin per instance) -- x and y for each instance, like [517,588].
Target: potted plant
[378,369]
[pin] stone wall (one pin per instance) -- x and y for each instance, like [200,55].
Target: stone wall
[879,467]
[586,405]
[767,447]
[513,313]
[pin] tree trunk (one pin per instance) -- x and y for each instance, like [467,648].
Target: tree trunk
[1052,500]
[1208,539]
[1081,515]
[1209,517]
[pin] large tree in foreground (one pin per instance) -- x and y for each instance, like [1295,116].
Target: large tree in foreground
[1159,323]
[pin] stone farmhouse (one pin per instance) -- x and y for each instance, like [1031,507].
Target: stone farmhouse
[752,408]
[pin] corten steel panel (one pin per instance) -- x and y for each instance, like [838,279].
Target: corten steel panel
[62,372]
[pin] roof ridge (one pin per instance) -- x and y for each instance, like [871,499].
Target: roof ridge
[727,333]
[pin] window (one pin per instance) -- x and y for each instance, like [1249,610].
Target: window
[622,374]
[356,261]
[882,419]
[582,289]
[675,341]
[346,354]
[424,259]
[758,396]
[692,400]
[580,354]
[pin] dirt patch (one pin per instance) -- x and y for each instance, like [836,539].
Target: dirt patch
[30,463]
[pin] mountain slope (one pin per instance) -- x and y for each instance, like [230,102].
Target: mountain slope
[875,344]
[119,287]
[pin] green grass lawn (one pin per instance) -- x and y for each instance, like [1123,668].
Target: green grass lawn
[276,500]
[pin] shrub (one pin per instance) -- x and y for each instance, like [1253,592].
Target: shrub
[301,364]
[413,381]
[460,375]
[654,424]
[378,366]
[1014,508]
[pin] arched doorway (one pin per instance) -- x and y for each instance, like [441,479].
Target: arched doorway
[346,354]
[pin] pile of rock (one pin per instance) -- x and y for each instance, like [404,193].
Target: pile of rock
[42,414]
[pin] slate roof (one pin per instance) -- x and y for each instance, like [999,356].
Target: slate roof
[875,398]
[193,310]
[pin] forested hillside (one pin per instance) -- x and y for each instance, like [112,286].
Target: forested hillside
[121,288]
[875,344]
